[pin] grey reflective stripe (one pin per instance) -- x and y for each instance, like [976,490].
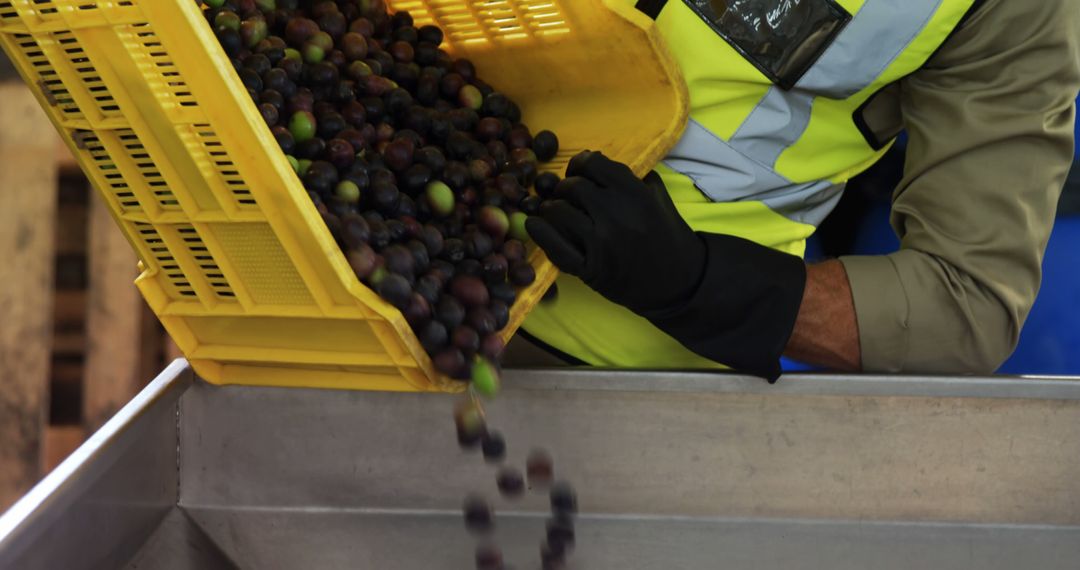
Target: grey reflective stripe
[878,33]
[775,124]
[744,167]
[726,175]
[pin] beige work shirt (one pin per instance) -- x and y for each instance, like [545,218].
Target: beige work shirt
[990,122]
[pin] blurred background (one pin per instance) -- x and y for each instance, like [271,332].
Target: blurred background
[77,341]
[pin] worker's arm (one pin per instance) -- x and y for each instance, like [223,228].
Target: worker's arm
[826,331]
[990,122]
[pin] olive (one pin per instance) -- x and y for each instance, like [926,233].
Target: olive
[429,287]
[480,170]
[503,292]
[493,444]
[230,41]
[421,259]
[284,139]
[519,138]
[348,191]
[440,198]
[417,119]
[501,312]
[492,346]
[456,174]
[402,51]
[470,291]
[251,80]
[489,129]
[303,100]
[406,32]
[311,148]
[396,227]
[494,267]
[380,234]
[450,312]
[522,155]
[321,177]
[253,31]
[432,335]
[355,230]
[427,88]
[451,84]
[432,158]
[302,126]
[522,274]
[312,52]
[425,54]
[540,468]
[530,206]
[478,244]
[355,139]
[430,34]
[517,229]
[560,529]
[563,499]
[468,417]
[386,198]
[362,261]
[510,482]
[358,70]
[227,20]
[470,267]
[399,260]
[552,557]
[545,145]
[417,310]
[399,155]
[340,153]
[465,339]
[453,250]
[362,26]
[482,321]
[333,24]
[489,557]
[545,184]
[398,101]
[258,63]
[465,68]
[470,97]
[494,221]
[433,239]
[485,377]
[495,105]
[525,171]
[330,124]
[395,290]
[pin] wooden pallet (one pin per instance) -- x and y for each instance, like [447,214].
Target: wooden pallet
[76,339]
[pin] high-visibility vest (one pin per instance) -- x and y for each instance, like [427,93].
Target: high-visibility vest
[756,160]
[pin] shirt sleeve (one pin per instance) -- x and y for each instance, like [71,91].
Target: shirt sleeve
[990,123]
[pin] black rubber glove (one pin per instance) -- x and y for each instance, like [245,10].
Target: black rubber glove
[725,298]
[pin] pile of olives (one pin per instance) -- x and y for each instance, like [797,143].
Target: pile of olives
[423,173]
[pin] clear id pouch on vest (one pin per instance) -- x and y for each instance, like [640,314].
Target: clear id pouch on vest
[782,38]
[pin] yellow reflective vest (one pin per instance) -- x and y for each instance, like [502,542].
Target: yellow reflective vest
[758,159]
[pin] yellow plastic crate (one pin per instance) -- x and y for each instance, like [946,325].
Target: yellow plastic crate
[235,260]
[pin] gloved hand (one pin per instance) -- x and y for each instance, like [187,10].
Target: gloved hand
[725,298]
